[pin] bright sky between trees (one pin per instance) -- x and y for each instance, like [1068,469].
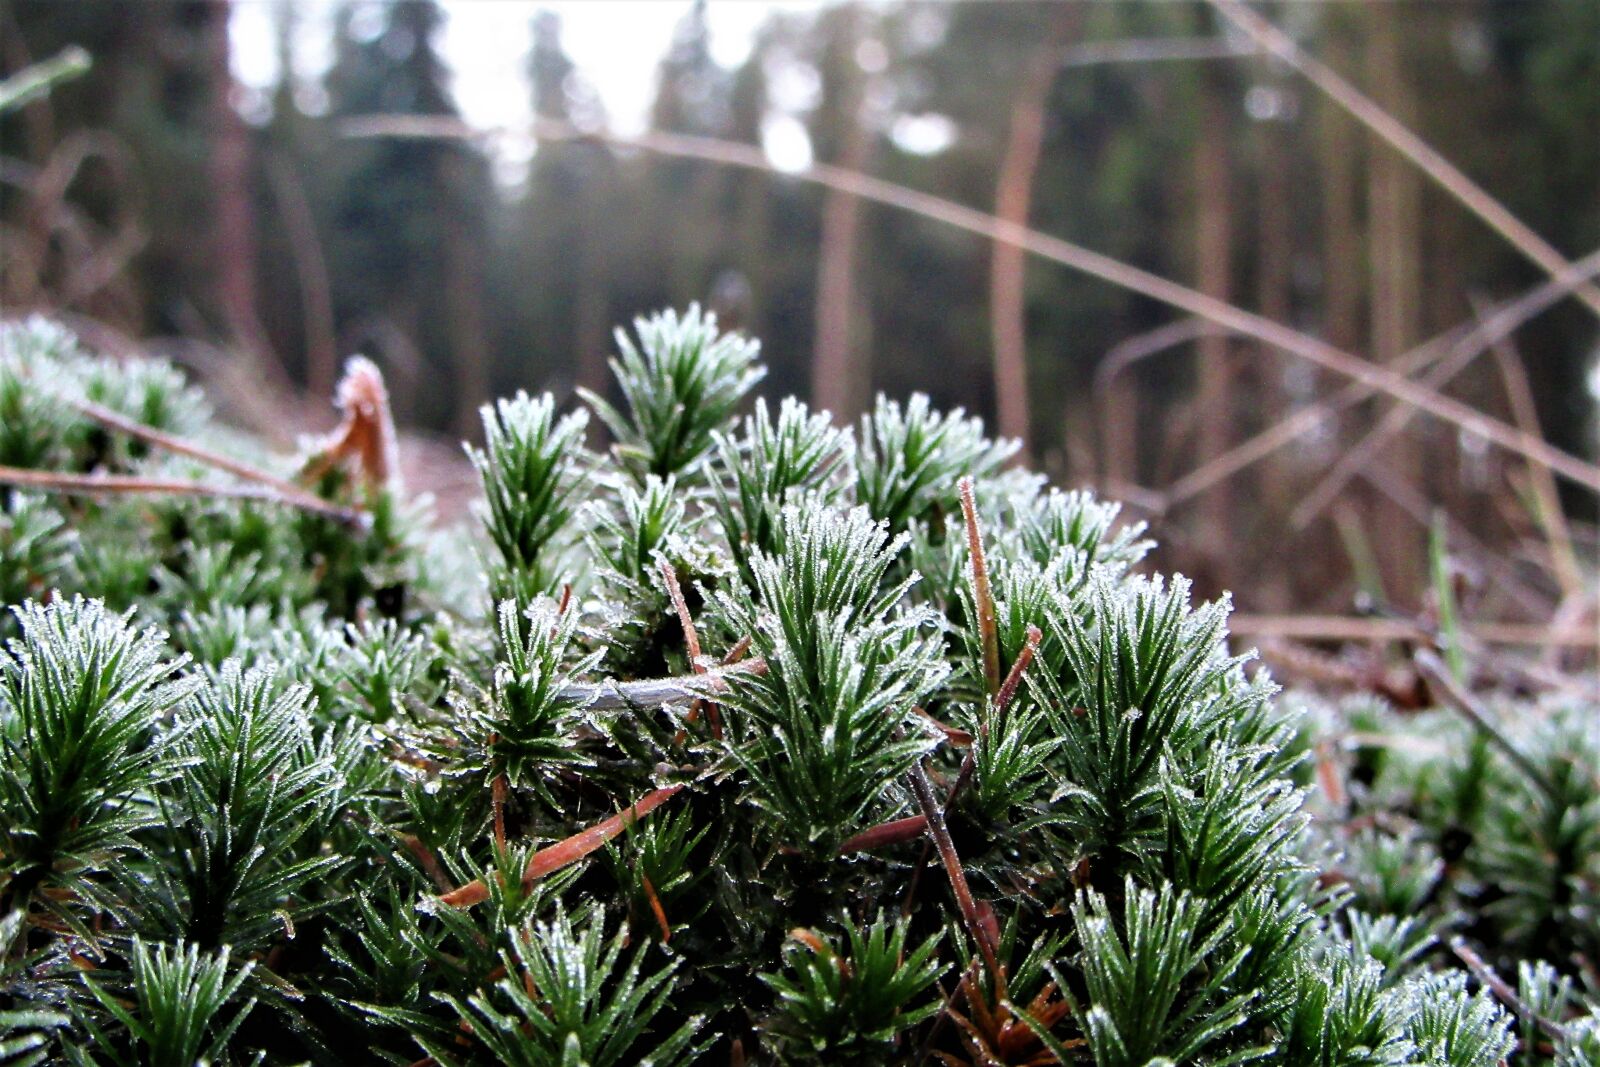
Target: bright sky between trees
[617,44]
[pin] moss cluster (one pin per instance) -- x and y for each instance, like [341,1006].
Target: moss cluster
[751,740]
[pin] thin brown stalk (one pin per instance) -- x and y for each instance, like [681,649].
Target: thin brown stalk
[1453,695]
[1423,512]
[1330,779]
[691,639]
[894,832]
[970,915]
[690,636]
[1356,628]
[1444,173]
[569,851]
[1142,346]
[1008,688]
[656,908]
[1002,701]
[1055,249]
[111,420]
[229,162]
[497,798]
[840,369]
[1117,420]
[96,484]
[1547,510]
[982,596]
[1458,344]
[430,863]
[1502,989]
[713,709]
[953,734]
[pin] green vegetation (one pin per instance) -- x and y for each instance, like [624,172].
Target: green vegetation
[748,741]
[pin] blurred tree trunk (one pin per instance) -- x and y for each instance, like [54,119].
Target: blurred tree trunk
[1275,262]
[464,301]
[1013,199]
[1214,270]
[1393,202]
[233,221]
[1338,150]
[748,198]
[753,226]
[841,373]
[1339,153]
[1272,389]
[311,268]
[592,323]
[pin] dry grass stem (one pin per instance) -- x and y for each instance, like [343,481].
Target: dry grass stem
[1444,173]
[1054,249]
[1356,628]
[118,484]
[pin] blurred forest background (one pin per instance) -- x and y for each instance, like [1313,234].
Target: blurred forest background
[260,237]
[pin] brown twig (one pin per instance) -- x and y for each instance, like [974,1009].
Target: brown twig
[95,484]
[895,832]
[1008,688]
[840,369]
[982,596]
[497,798]
[953,734]
[970,915]
[1547,510]
[1461,342]
[690,636]
[1116,416]
[691,639]
[565,853]
[1444,173]
[430,863]
[737,653]
[111,420]
[1055,249]
[1002,701]
[1356,628]
[655,906]
[1455,696]
[1502,989]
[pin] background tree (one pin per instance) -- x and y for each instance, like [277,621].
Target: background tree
[1161,142]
